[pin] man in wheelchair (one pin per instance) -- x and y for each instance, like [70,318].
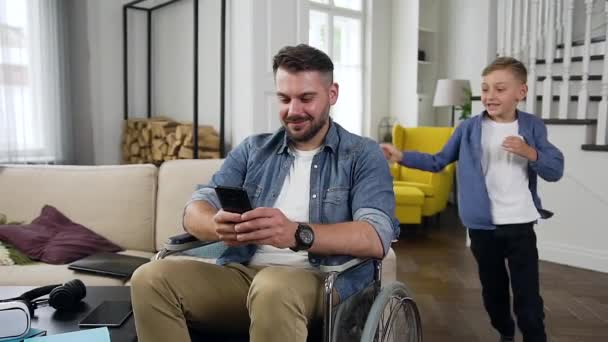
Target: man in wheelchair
[321,196]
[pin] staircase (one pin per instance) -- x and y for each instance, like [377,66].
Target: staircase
[567,78]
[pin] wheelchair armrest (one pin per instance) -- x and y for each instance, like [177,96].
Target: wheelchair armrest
[351,264]
[180,243]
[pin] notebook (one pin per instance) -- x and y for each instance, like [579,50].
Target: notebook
[112,264]
[32,333]
[89,335]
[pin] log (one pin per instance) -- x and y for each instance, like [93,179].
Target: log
[161,128]
[174,148]
[134,149]
[185,153]
[146,134]
[209,142]
[188,153]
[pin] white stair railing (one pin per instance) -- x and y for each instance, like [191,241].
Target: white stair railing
[583,94]
[534,25]
[523,50]
[549,49]
[564,93]
[530,30]
[508,27]
[602,115]
[516,27]
[500,31]
[542,27]
[559,23]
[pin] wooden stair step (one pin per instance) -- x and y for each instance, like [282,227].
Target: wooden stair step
[572,78]
[593,147]
[572,98]
[570,121]
[581,42]
[573,59]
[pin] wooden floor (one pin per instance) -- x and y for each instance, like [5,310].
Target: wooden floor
[441,272]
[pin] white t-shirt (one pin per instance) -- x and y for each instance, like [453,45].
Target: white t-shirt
[294,203]
[506,175]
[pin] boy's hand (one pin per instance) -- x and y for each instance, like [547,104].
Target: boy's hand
[518,146]
[391,153]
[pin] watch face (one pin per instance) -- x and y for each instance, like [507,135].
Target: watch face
[307,236]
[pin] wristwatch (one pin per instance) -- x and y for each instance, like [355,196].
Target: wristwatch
[305,237]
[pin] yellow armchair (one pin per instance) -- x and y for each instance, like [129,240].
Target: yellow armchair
[436,187]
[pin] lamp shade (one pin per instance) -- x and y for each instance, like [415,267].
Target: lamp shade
[451,92]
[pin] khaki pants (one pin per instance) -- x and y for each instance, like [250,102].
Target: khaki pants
[272,303]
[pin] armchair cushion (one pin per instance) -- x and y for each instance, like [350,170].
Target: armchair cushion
[427,189]
[408,195]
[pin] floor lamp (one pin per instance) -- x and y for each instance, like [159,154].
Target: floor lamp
[452,93]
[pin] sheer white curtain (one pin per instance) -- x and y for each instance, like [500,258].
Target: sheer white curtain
[34,124]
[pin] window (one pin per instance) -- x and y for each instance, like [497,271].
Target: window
[337,28]
[31,82]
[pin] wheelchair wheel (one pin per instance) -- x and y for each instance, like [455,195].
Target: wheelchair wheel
[393,317]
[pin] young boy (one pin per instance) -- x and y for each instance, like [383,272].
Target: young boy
[507,148]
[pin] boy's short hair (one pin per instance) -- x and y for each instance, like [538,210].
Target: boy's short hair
[517,68]
[303,58]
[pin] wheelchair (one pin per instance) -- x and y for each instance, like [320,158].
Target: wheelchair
[373,314]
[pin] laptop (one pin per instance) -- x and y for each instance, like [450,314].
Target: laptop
[112,264]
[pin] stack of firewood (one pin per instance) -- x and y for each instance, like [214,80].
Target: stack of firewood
[159,139]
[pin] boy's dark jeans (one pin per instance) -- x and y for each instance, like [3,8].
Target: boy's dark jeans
[517,244]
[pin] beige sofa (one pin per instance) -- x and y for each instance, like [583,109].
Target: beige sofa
[135,206]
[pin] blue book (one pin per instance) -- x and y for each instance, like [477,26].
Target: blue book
[89,335]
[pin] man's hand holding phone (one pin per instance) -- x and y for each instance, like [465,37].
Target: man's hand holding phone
[266,226]
[238,224]
[224,227]
[234,201]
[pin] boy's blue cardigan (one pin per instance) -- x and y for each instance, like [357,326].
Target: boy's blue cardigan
[465,147]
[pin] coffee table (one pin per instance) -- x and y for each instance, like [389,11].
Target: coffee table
[55,322]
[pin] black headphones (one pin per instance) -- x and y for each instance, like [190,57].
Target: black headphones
[64,297]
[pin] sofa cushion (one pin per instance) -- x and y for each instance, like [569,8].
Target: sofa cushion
[55,239]
[177,180]
[39,274]
[117,202]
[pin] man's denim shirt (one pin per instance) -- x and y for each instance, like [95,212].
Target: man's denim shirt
[349,181]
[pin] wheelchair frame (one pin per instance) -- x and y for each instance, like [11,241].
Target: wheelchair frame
[183,242]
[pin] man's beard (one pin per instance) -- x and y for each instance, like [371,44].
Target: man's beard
[314,129]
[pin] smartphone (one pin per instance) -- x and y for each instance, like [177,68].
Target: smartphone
[234,200]
[108,314]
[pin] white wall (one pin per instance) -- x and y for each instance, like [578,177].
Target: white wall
[404,44]
[379,21]
[466,45]
[97,79]
[80,95]
[256,29]
[578,232]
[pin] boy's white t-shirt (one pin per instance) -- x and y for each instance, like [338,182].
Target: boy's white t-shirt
[294,203]
[506,175]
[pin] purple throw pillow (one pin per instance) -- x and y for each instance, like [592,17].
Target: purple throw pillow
[55,239]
